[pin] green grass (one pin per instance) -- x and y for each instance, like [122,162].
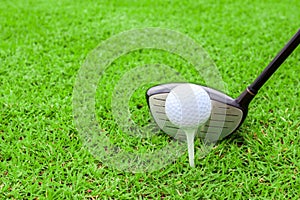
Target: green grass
[43,45]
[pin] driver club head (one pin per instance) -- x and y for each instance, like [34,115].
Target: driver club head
[226,114]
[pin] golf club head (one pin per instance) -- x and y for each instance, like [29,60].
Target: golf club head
[226,114]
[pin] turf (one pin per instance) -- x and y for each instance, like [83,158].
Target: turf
[42,47]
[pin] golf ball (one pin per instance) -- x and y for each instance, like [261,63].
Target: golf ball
[188,106]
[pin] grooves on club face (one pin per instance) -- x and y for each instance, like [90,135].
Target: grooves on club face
[226,115]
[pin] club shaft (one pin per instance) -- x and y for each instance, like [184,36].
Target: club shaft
[275,63]
[245,98]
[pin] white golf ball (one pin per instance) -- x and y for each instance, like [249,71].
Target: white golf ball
[188,106]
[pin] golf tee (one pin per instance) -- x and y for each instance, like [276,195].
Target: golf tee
[190,136]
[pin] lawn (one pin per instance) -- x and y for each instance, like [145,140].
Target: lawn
[43,46]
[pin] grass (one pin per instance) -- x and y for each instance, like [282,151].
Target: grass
[43,45]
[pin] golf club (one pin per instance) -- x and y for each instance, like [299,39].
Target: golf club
[227,114]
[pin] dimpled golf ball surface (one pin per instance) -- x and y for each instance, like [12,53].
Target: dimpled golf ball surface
[188,106]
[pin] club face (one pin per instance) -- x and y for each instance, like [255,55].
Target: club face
[226,115]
